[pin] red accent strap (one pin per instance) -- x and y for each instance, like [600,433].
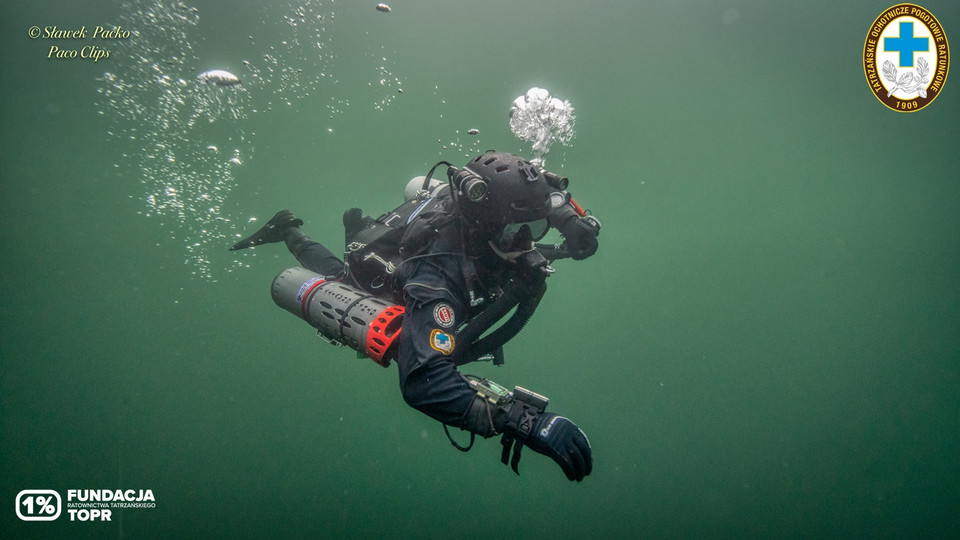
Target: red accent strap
[576,207]
[383,332]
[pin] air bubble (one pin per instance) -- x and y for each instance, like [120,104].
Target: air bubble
[542,120]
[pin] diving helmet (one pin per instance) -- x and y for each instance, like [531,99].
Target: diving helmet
[497,189]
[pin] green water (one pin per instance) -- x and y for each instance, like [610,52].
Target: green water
[766,344]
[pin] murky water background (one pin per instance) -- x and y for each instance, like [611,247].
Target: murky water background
[766,344]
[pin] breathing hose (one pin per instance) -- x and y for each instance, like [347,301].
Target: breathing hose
[515,294]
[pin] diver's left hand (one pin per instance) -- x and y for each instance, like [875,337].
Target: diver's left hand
[561,439]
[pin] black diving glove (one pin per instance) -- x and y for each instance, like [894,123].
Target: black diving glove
[559,438]
[580,233]
[520,417]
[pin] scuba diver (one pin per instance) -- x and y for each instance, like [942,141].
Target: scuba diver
[423,283]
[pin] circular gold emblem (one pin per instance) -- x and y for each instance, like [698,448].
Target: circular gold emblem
[906,57]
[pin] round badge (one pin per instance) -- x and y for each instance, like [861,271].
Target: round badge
[906,57]
[443,315]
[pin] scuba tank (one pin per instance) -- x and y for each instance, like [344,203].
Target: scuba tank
[342,314]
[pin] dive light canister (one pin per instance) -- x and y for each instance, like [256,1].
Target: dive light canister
[339,312]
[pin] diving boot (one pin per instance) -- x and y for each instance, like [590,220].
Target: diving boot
[273,231]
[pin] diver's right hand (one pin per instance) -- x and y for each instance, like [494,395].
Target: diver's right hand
[580,237]
[561,439]
[579,232]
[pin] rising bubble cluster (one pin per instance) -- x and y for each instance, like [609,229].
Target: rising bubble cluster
[542,120]
[184,138]
[390,85]
[296,62]
[186,141]
[464,140]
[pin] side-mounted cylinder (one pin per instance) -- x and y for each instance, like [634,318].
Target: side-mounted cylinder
[341,313]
